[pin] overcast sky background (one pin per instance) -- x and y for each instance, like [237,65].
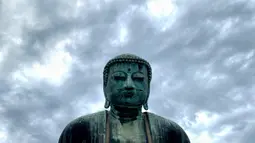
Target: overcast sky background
[52,54]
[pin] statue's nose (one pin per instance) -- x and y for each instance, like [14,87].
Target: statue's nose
[129,85]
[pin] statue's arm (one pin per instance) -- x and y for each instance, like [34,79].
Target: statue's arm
[65,136]
[75,132]
[181,134]
[185,138]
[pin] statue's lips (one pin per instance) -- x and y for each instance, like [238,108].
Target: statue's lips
[128,94]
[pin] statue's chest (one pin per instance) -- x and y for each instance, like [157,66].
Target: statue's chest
[131,132]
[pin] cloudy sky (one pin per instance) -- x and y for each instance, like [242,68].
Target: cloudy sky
[52,54]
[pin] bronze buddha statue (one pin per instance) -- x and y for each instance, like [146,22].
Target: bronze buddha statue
[126,81]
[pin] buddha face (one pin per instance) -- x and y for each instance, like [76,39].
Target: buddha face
[127,85]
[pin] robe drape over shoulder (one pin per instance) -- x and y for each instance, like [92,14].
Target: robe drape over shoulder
[92,129]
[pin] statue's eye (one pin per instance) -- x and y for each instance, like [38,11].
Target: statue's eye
[119,76]
[138,76]
[116,77]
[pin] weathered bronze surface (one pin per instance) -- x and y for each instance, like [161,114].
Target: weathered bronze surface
[126,87]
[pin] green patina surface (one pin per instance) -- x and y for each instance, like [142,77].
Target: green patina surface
[126,87]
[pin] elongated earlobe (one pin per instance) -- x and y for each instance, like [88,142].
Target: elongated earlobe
[145,106]
[107,104]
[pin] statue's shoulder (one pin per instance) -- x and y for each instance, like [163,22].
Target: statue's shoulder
[89,117]
[167,127]
[80,129]
[161,121]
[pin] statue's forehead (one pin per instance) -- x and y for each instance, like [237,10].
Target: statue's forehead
[126,66]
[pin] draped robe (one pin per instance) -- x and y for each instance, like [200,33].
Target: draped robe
[92,128]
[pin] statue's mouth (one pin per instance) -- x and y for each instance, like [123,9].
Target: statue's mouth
[128,94]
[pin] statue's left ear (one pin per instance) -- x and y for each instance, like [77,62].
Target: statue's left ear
[145,106]
[107,104]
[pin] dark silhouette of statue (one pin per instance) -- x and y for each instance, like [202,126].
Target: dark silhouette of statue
[126,81]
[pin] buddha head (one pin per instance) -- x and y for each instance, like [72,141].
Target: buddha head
[126,81]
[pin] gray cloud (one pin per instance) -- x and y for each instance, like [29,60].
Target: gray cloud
[203,61]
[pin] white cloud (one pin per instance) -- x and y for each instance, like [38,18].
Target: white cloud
[205,119]
[225,131]
[204,137]
[201,51]
[160,8]
[54,69]
[162,12]
[122,36]
[3,134]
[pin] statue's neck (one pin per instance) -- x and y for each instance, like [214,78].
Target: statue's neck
[125,114]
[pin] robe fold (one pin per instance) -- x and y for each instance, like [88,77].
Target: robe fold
[92,129]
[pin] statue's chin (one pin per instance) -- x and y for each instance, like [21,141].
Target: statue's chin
[128,105]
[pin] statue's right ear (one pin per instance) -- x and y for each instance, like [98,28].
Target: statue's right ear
[107,102]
